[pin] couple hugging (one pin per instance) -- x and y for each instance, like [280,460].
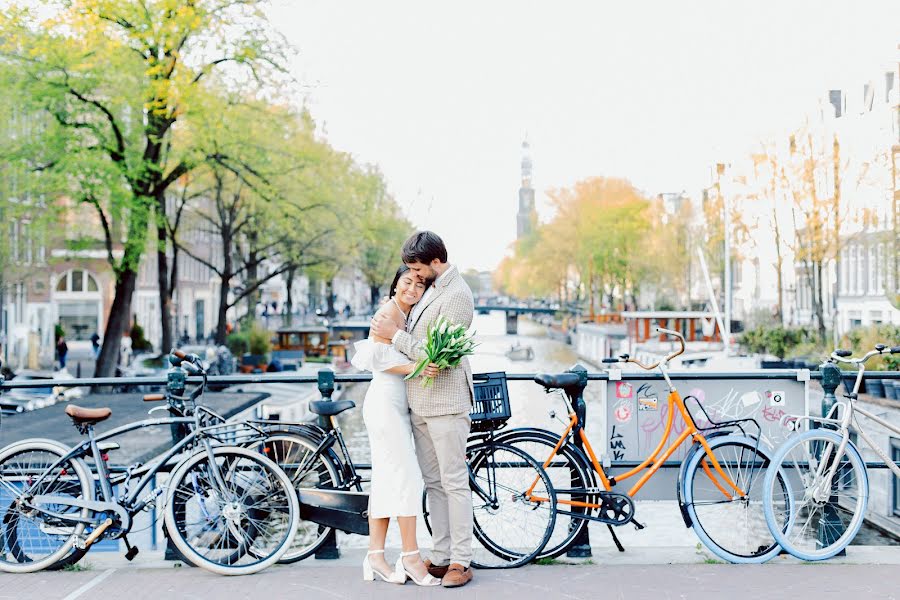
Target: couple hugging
[418,433]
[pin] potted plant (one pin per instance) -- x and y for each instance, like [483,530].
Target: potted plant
[259,342]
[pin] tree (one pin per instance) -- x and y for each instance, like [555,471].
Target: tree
[265,202]
[122,80]
[383,229]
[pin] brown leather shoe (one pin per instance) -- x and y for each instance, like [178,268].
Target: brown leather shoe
[457,576]
[435,570]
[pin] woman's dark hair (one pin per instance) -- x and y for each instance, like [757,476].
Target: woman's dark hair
[404,269]
[424,247]
[393,289]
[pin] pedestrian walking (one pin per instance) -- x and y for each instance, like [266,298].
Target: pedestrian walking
[62,349]
[95,345]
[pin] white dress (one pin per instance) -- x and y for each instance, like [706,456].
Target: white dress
[396,489]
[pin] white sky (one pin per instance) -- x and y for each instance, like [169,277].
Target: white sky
[440,95]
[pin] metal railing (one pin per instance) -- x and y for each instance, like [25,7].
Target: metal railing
[694,374]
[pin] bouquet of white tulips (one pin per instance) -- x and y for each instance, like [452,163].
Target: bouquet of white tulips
[445,345]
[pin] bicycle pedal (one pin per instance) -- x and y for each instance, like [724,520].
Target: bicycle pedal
[637,525]
[132,551]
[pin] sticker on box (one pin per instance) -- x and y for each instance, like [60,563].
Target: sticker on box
[624,389]
[647,403]
[776,398]
[622,411]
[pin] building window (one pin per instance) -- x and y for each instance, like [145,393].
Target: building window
[77,281]
[845,255]
[871,280]
[852,268]
[880,269]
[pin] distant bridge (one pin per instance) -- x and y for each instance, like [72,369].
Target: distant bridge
[513,312]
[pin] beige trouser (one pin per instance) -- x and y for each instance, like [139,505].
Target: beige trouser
[441,450]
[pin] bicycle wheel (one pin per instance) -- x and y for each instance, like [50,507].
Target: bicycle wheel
[826,512]
[234,515]
[731,523]
[34,536]
[295,454]
[511,527]
[571,475]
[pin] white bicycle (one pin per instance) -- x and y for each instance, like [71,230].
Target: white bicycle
[828,488]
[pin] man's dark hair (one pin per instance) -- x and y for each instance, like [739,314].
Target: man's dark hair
[424,247]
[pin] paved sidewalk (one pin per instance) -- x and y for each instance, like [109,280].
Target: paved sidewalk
[652,573]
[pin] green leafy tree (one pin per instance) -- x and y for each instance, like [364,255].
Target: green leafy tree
[383,229]
[122,81]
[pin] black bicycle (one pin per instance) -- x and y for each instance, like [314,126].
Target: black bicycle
[229,508]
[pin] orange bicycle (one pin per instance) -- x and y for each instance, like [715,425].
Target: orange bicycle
[719,487]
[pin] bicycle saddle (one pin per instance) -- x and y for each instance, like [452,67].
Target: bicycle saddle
[328,408]
[562,380]
[87,416]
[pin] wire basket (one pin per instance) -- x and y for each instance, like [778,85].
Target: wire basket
[491,408]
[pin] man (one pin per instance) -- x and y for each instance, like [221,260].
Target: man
[95,344]
[440,413]
[62,349]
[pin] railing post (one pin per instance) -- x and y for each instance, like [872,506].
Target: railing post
[176,384]
[329,550]
[581,545]
[830,525]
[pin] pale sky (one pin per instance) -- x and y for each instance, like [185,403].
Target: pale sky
[441,95]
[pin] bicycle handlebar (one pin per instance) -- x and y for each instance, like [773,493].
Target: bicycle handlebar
[626,358]
[840,355]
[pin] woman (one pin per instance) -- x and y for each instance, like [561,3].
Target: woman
[396,489]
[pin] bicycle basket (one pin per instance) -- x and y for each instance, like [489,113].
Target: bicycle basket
[491,407]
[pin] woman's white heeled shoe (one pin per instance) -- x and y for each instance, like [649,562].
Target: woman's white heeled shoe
[427,581]
[369,572]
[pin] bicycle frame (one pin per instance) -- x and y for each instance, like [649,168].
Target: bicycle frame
[659,455]
[128,506]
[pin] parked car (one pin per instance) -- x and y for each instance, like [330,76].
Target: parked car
[25,399]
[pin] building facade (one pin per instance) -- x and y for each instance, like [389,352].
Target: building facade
[851,154]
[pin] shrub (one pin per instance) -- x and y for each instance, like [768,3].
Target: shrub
[238,343]
[138,342]
[58,331]
[260,340]
[780,341]
[863,339]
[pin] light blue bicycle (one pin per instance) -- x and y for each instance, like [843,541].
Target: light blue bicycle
[827,481]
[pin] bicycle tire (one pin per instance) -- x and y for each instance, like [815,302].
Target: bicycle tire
[495,535]
[18,555]
[838,519]
[322,473]
[274,491]
[733,528]
[571,475]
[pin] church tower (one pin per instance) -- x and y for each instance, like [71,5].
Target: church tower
[527,217]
